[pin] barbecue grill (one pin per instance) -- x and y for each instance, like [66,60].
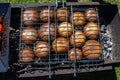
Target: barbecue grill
[108,21]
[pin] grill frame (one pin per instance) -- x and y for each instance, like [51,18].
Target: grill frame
[106,62]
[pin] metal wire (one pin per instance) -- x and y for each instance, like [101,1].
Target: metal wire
[74,42]
[49,41]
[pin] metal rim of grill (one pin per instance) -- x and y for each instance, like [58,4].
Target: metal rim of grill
[54,63]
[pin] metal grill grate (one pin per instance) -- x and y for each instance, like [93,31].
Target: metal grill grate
[54,56]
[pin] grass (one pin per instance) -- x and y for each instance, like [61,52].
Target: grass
[44,1]
[28,1]
[117,69]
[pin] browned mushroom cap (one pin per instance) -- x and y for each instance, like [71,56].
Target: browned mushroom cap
[78,39]
[41,49]
[45,13]
[65,29]
[91,30]
[78,19]
[62,14]
[43,31]
[71,54]
[60,45]
[29,35]
[30,17]
[92,49]
[91,14]
[26,55]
